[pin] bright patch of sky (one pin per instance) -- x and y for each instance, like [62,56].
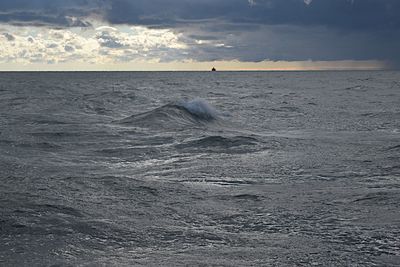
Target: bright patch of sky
[99,45]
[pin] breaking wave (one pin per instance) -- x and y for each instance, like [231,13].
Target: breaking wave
[200,108]
[197,112]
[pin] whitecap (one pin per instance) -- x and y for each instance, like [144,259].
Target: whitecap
[200,108]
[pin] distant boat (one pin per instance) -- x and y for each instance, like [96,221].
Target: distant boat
[213,69]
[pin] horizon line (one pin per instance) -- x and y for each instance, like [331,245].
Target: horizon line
[233,70]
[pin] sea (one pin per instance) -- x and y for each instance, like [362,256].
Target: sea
[200,168]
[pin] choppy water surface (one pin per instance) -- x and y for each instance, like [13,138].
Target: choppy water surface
[227,169]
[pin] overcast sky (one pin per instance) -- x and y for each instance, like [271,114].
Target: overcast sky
[192,34]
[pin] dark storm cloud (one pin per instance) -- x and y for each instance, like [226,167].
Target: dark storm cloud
[274,29]
[51,13]
[346,14]
[32,18]
[238,29]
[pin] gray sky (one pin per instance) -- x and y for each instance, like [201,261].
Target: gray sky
[191,34]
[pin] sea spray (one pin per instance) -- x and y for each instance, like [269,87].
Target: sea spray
[200,108]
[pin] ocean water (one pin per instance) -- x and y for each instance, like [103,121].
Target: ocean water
[200,169]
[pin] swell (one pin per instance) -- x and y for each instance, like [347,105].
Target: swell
[196,112]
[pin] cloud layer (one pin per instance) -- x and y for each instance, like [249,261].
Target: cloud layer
[344,14]
[165,30]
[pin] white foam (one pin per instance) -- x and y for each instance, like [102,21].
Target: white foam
[201,108]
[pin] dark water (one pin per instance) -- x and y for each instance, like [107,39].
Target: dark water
[199,169]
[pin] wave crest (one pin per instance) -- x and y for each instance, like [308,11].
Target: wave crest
[200,108]
[194,112]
